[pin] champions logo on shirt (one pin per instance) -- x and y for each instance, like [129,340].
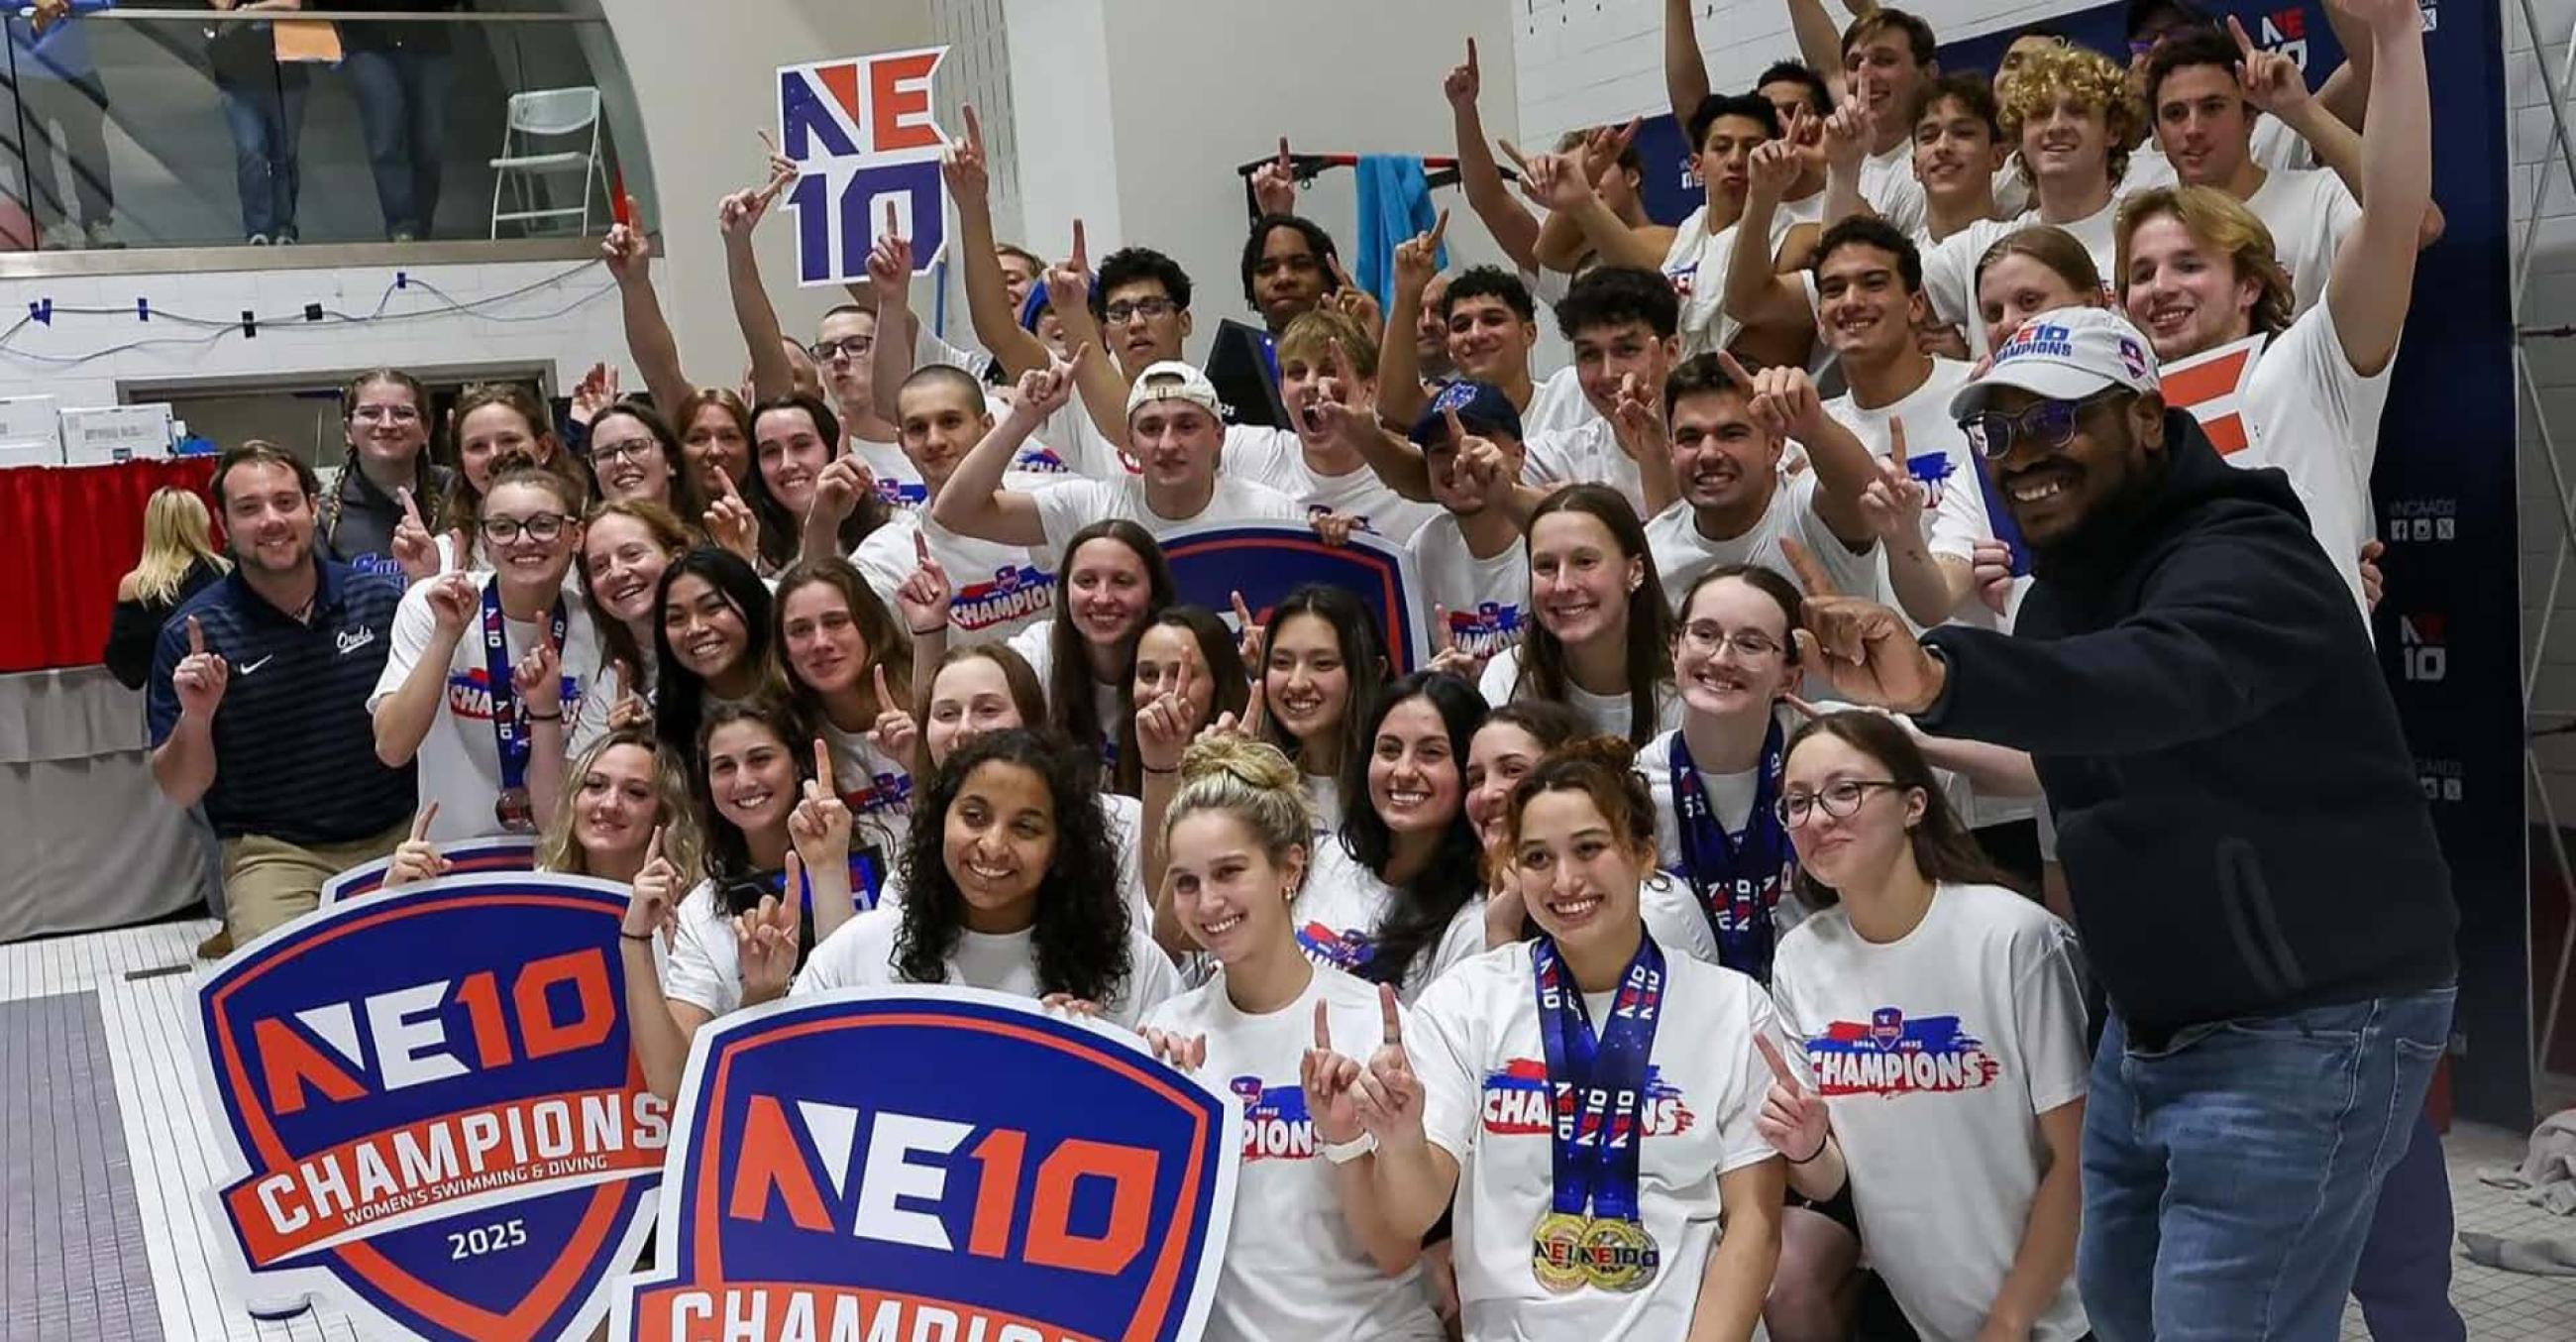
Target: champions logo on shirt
[1895,1055]
[1275,1122]
[846,1168]
[429,1110]
[1516,1101]
[883,792]
[469,694]
[1345,951]
[1039,459]
[1010,594]
[1932,470]
[903,493]
[1488,629]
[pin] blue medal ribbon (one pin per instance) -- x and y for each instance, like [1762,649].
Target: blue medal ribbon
[510,732]
[1597,1084]
[1737,885]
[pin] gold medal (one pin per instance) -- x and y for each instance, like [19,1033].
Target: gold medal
[1556,1252]
[1618,1255]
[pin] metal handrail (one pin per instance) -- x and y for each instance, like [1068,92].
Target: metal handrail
[325,15]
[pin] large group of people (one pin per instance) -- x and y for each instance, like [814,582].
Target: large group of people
[1851,661]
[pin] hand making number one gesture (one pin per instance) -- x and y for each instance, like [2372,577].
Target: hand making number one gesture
[1793,1119]
[1867,651]
[1388,1099]
[1331,1083]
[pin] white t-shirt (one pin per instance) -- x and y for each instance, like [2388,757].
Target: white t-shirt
[1323,800]
[1294,1268]
[1609,714]
[1276,458]
[1071,439]
[861,955]
[2309,213]
[1936,1054]
[1587,455]
[1950,267]
[2274,147]
[1342,905]
[1486,600]
[1035,647]
[1682,552]
[1475,1044]
[704,969]
[460,762]
[1696,265]
[995,590]
[899,482]
[1888,183]
[1937,453]
[2318,420]
[877,789]
[1557,402]
[1067,506]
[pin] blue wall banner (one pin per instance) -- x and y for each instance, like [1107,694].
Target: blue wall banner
[432,1116]
[935,1162]
[1267,560]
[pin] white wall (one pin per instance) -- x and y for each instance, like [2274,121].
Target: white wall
[518,314]
[703,76]
[1190,88]
[2550,300]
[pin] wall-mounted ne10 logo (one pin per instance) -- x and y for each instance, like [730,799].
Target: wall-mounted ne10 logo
[432,1109]
[934,1163]
[862,136]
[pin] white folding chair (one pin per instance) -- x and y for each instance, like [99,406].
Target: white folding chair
[535,119]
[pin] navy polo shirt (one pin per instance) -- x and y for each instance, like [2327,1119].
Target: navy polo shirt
[295,749]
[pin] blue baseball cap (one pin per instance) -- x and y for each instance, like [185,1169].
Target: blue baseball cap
[1482,408]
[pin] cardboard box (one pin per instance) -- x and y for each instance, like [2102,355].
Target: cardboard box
[94,437]
[30,419]
[43,452]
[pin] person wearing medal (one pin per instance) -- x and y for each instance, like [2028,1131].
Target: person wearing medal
[490,682]
[1597,1216]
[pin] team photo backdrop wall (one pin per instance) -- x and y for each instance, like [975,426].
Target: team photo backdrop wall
[2449,629]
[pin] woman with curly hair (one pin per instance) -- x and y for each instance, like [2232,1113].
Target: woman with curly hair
[1011,885]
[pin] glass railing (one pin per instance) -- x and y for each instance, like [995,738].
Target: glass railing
[183,126]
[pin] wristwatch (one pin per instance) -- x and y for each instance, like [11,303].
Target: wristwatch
[1343,1153]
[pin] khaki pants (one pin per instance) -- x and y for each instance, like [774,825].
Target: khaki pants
[269,883]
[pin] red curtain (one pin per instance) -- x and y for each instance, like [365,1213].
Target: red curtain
[67,535]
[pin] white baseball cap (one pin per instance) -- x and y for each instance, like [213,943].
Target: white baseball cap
[1173,380]
[2065,354]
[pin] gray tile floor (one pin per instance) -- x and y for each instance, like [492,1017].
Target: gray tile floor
[105,1142]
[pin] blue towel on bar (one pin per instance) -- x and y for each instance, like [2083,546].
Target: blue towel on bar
[1394,204]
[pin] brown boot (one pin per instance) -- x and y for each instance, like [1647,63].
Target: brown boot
[217,946]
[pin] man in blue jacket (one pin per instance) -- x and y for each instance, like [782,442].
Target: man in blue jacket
[2255,874]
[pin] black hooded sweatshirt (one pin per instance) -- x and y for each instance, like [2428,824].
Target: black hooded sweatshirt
[2236,807]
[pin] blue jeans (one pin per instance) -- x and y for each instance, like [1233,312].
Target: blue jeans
[2230,1175]
[266,118]
[402,106]
[2404,1284]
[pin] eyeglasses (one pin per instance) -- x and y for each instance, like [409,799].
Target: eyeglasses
[1838,799]
[373,414]
[1749,645]
[633,448]
[855,347]
[1119,314]
[541,528]
[2049,424]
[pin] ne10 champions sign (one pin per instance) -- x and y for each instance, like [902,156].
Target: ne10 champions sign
[862,138]
[934,1163]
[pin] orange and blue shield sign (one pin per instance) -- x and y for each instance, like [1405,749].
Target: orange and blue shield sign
[434,1115]
[935,1162]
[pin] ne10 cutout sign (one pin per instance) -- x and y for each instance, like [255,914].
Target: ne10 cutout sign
[934,1163]
[432,1110]
[861,134]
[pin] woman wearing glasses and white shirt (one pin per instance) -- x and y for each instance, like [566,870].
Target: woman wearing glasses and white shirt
[1941,1024]
[493,680]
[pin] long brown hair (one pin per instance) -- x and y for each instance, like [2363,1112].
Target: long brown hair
[1650,623]
[462,509]
[1027,695]
[1220,661]
[1599,767]
[676,811]
[668,532]
[1944,850]
[1068,677]
[889,644]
